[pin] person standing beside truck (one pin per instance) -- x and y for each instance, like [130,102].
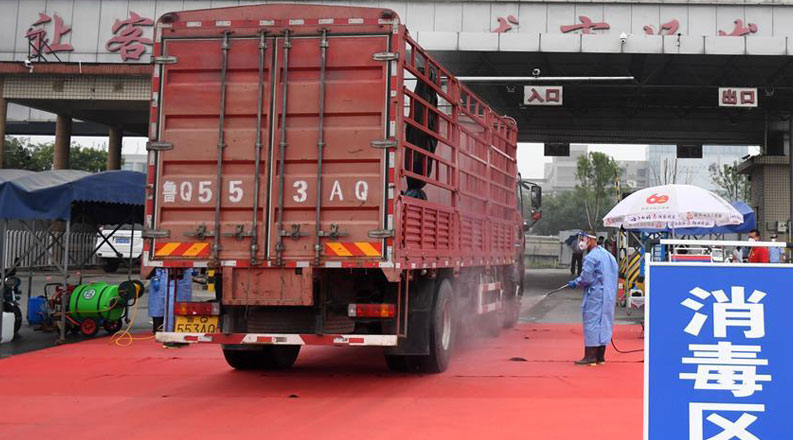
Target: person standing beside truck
[599,278]
[158,285]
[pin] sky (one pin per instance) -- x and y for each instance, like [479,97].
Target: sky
[531,161]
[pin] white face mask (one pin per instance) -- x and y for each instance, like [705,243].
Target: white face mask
[752,239]
[582,244]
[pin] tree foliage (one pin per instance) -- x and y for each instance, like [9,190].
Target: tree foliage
[732,186]
[597,174]
[20,153]
[561,212]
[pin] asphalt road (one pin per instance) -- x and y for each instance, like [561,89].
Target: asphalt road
[31,338]
[563,306]
[521,384]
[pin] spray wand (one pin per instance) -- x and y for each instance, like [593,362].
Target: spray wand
[547,294]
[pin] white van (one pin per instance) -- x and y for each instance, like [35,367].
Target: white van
[111,259]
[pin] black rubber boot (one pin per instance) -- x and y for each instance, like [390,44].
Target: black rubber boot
[601,355]
[590,357]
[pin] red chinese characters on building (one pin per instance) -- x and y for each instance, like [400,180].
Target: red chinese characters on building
[668,28]
[128,37]
[40,42]
[740,30]
[542,95]
[737,97]
[586,26]
[505,24]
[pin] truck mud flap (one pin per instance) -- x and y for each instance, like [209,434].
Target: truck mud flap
[419,318]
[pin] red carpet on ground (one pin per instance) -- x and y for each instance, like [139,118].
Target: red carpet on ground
[94,390]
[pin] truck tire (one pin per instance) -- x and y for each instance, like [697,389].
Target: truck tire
[396,363]
[511,311]
[514,294]
[442,332]
[110,265]
[492,323]
[269,357]
[280,357]
[244,359]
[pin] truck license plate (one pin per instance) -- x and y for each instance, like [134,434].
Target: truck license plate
[196,324]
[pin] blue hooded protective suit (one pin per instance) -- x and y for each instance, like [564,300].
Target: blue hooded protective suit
[599,278]
[160,284]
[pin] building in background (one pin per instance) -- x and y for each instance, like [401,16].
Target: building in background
[560,173]
[664,167]
[634,174]
[134,162]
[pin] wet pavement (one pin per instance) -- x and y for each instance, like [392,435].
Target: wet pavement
[521,384]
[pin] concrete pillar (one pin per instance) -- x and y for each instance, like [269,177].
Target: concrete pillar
[790,176]
[115,136]
[63,140]
[3,115]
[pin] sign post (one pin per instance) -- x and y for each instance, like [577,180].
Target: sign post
[718,351]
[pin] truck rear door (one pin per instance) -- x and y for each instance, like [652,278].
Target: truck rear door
[195,94]
[207,168]
[351,170]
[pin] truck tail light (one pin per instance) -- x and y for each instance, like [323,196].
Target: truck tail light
[370,310]
[196,308]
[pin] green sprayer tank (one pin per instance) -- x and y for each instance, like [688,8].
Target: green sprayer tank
[96,300]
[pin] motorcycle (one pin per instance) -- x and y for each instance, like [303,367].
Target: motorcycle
[11,297]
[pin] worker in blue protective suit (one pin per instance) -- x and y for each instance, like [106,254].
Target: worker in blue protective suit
[161,293]
[599,278]
[184,292]
[158,286]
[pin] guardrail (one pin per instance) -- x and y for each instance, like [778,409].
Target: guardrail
[18,242]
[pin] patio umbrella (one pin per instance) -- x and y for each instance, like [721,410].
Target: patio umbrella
[673,207]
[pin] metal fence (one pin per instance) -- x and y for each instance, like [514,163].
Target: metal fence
[18,242]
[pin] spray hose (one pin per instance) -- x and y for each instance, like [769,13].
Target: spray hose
[124,337]
[547,294]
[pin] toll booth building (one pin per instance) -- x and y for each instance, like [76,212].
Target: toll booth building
[673,72]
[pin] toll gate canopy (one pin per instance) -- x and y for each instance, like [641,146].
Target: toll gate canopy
[672,98]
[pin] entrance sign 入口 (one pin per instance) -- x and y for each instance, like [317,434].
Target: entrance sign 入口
[718,352]
[737,97]
[542,95]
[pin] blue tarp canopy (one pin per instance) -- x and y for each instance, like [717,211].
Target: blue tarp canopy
[108,197]
[749,223]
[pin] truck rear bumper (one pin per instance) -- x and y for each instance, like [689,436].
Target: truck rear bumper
[276,339]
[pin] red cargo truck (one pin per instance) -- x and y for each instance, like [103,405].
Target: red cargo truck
[345,187]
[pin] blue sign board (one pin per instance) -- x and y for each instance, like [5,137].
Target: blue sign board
[719,352]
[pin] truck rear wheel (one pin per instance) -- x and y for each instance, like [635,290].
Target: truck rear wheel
[441,332]
[280,357]
[511,310]
[267,357]
[243,359]
[400,363]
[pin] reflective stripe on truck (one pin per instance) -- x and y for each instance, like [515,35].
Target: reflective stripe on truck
[276,339]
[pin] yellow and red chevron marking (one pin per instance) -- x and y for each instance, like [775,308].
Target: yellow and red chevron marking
[182,249]
[354,249]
